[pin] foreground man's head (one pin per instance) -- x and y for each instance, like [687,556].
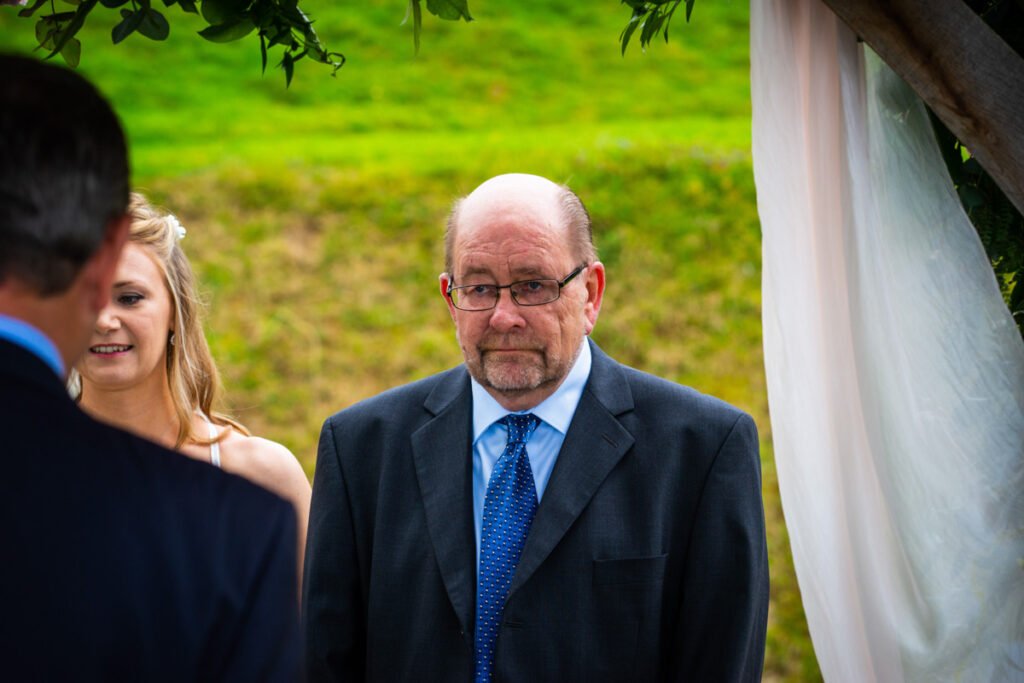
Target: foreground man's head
[63,198]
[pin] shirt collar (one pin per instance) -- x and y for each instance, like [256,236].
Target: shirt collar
[33,340]
[556,410]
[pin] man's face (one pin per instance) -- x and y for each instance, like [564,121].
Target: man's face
[520,354]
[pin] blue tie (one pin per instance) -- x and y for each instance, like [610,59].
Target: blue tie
[509,506]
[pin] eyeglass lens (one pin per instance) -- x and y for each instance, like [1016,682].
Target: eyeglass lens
[527,293]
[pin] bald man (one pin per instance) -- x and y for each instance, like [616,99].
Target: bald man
[540,513]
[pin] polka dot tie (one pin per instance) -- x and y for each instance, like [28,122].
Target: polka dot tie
[509,506]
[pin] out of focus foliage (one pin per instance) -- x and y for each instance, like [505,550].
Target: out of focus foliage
[277,23]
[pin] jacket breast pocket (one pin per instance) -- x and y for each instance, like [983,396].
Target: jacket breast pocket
[630,570]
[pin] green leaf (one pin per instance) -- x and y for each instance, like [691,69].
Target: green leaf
[225,33]
[154,26]
[58,18]
[30,10]
[217,12]
[970,196]
[627,32]
[689,9]
[450,9]
[651,27]
[263,53]
[417,24]
[645,30]
[292,16]
[72,2]
[289,68]
[45,32]
[263,14]
[129,23]
[282,36]
[112,4]
[668,19]
[73,26]
[72,52]
[188,6]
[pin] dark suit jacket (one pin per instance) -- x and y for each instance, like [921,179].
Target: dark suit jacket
[646,560]
[126,562]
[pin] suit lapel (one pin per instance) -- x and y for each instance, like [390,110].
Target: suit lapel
[594,444]
[442,455]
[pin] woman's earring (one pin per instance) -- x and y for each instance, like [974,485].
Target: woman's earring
[170,340]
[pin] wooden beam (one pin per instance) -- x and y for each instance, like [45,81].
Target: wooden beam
[962,69]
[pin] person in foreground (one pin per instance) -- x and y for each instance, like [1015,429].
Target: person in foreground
[542,512]
[123,561]
[149,370]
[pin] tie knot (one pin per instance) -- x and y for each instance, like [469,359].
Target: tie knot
[520,427]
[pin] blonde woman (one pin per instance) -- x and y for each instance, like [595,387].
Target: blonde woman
[149,370]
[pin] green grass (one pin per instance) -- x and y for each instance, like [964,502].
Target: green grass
[315,213]
[548,75]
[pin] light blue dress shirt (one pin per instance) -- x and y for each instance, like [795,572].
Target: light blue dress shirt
[490,437]
[33,340]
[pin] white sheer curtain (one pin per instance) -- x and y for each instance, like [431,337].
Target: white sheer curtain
[895,373]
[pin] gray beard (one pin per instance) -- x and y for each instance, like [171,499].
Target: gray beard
[510,378]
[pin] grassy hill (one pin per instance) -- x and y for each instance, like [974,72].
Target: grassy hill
[551,73]
[315,212]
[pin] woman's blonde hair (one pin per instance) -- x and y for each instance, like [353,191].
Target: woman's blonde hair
[191,372]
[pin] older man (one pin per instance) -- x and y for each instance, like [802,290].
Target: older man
[122,561]
[541,513]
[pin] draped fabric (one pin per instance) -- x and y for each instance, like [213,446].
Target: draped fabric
[895,372]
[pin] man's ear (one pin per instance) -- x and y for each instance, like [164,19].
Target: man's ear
[595,294]
[101,268]
[443,280]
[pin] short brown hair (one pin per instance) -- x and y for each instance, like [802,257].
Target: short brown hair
[63,173]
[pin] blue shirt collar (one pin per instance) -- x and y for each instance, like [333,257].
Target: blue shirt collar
[556,410]
[32,340]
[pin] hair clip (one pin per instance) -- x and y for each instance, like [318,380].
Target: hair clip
[179,229]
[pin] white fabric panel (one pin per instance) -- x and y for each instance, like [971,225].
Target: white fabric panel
[895,373]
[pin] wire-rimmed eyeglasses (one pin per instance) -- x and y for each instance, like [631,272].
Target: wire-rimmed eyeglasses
[482,297]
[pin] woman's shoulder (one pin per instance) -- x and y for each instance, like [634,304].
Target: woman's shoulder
[266,462]
[255,446]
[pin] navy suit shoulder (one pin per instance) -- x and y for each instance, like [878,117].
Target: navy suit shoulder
[659,410]
[133,562]
[652,393]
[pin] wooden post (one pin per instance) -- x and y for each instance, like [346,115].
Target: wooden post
[972,80]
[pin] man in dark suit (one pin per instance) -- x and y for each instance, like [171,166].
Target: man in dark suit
[122,561]
[541,513]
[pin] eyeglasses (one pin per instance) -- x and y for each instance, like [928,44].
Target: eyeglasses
[525,293]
